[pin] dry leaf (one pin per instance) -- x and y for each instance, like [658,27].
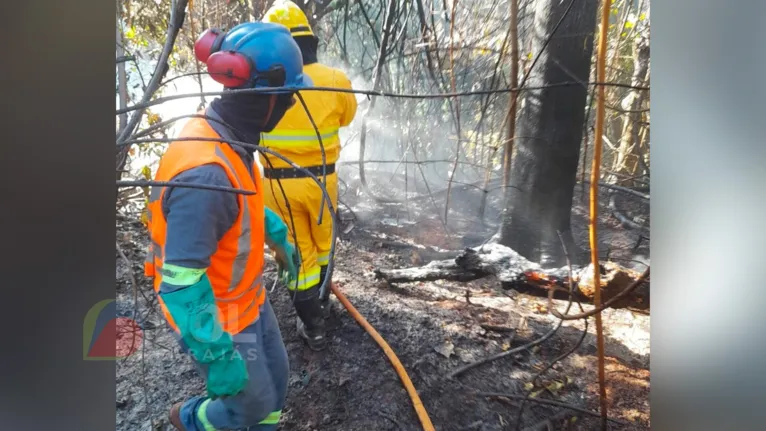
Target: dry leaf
[446,349]
[506,346]
[555,386]
[153,119]
[528,386]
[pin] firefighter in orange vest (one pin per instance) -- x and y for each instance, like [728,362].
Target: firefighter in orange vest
[207,246]
[295,138]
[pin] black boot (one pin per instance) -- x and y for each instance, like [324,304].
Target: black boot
[324,300]
[310,322]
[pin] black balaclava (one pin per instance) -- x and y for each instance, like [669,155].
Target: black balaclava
[248,113]
[308,46]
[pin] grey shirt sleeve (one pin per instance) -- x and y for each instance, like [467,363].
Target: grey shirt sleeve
[197,219]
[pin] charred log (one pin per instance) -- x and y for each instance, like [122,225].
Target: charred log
[516,272]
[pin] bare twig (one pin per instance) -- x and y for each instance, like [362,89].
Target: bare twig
[181,184]
[547,402]
[568,352]
[176,21]
[391,8]
[600,75]
[456,103]
[129,267]
[621,189]
[624,220]
[132,277]
[447,95]
[529,345]
[508,153]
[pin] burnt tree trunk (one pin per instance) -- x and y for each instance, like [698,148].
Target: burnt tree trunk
[543,174]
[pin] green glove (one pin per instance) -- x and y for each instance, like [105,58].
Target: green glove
[276,230]
[288,263]
[276,237]
[226,376]
[194,311]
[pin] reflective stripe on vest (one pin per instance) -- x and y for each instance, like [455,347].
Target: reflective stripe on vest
[294,138]
[243,242]
[153,254]
[235,270]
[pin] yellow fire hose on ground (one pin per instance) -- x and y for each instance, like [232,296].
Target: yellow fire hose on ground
[416,402]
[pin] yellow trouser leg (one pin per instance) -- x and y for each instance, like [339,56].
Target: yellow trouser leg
[304,198]
[299,223]
[322,233]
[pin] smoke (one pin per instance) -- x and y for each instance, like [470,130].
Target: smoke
[411,137]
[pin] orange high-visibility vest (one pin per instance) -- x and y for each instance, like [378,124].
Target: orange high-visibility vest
[236,267]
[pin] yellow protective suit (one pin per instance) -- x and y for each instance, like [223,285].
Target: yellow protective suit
[295,138]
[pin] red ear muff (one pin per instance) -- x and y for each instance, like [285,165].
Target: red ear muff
[229,68]
[208,44]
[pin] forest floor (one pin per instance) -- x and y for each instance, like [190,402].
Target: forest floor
[434,328]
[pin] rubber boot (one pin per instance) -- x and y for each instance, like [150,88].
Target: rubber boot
[310,322]
[175,417]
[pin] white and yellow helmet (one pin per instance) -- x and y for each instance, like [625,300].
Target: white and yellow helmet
[289,15]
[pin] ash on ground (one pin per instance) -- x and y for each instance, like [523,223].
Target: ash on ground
[434,328]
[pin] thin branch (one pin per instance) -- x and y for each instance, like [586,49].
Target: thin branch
[508,352]
[272,90]
[181,184]
[390,12]
[593,234]
[177,16]
[548,402]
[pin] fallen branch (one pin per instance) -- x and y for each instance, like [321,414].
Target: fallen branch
[516,272]
[548,402]
[529,345]
[624,220]
[622,189]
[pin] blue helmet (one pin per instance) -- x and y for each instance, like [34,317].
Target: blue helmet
[251,55]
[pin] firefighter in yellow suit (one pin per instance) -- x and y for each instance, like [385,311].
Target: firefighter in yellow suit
[295,138]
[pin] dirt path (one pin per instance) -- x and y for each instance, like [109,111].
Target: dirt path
[432,328]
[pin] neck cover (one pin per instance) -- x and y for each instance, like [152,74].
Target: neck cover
[251,114]
[308,46]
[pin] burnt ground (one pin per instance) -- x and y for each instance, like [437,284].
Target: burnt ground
[431,326]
